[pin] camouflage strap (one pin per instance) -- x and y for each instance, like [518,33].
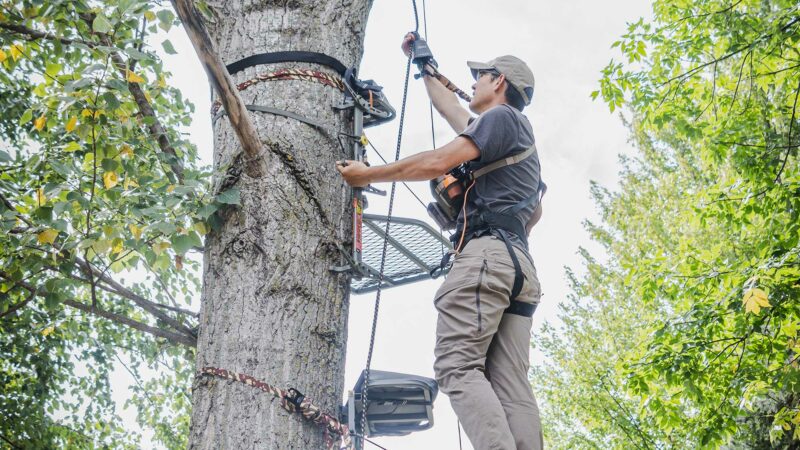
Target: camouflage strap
[448,84]
[292,401]
[288,74]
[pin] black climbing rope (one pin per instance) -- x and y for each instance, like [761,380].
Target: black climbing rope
[364,394]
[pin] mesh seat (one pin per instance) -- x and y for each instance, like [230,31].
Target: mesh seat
[397,403]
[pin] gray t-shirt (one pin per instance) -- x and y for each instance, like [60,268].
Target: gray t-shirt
[500,132]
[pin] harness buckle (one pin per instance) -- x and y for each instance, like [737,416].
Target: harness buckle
[295,397]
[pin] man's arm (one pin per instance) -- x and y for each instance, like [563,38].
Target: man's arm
[420,167]
[446,103]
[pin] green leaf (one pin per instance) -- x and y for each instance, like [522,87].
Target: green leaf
[5,157]
[26,117]
[165,19]
[53,69]
[230,197]
[101,24]
[168,47]
[182,243]
[109,165]
[72,147]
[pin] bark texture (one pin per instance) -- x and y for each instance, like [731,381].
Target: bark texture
[271,308]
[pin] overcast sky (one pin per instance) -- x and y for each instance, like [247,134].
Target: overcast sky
[566,44]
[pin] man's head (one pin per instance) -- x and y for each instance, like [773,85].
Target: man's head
[505,79]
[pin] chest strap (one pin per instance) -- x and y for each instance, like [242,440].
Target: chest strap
[513,159]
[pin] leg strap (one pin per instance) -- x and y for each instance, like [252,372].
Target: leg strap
[521,308]
[518,277]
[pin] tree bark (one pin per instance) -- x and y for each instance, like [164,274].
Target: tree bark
[271,308]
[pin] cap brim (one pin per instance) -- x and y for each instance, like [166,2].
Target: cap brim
[475,66]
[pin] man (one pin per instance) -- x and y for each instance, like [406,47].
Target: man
[485,304]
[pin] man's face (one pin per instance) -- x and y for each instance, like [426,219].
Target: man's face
[485,90]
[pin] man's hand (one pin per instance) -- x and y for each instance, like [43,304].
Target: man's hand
[355,173]
[406,45]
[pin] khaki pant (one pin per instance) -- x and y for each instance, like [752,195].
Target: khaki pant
[482,354]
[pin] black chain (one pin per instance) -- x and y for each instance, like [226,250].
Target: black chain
[365,387]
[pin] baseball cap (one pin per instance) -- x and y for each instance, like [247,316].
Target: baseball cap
[517,73]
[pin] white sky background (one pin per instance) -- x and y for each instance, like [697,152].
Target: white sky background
[566,43]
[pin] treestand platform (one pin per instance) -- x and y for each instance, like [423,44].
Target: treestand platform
[414,250]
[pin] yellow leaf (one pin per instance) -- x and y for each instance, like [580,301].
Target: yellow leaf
[47,236]
[162,82]
[135,231]
[40,122]
[150,15]
[159,247]
[110,179]
[133,78]
[16,51]
[73,121]
[170,188]
[126,150]
[86,112]
[129,183]
[48,331]
[796,418]
[755,299]
[2,55]
[201,228]
[116,246]
[41,199]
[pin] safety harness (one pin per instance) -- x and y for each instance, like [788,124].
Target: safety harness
[486,221]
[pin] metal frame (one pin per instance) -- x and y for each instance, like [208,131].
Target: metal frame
[425,267]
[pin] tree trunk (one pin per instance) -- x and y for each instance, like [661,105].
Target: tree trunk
[271,308]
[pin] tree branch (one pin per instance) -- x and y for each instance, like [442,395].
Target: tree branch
[789,136]
[145,304]
[146,110]
[175,338]
[32,34]
[221,79]
[18,305]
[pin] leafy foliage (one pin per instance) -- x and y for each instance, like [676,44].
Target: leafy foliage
[101,199]
[687,336]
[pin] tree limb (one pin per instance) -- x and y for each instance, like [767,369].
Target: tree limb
[146,110]
[224,85]
[32,34]
[136,298]
[18,305]
[176,338]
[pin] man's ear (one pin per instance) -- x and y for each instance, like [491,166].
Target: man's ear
[499,82]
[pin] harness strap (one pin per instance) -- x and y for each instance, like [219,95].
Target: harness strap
[289,56]
[514,159]
[521,308]
[279,112]
[518,277]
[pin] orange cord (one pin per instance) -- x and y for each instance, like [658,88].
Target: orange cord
[370,99]
[464,212]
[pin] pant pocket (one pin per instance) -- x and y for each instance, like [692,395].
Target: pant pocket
[484,267]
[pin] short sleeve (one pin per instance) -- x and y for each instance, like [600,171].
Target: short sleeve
[494,132]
